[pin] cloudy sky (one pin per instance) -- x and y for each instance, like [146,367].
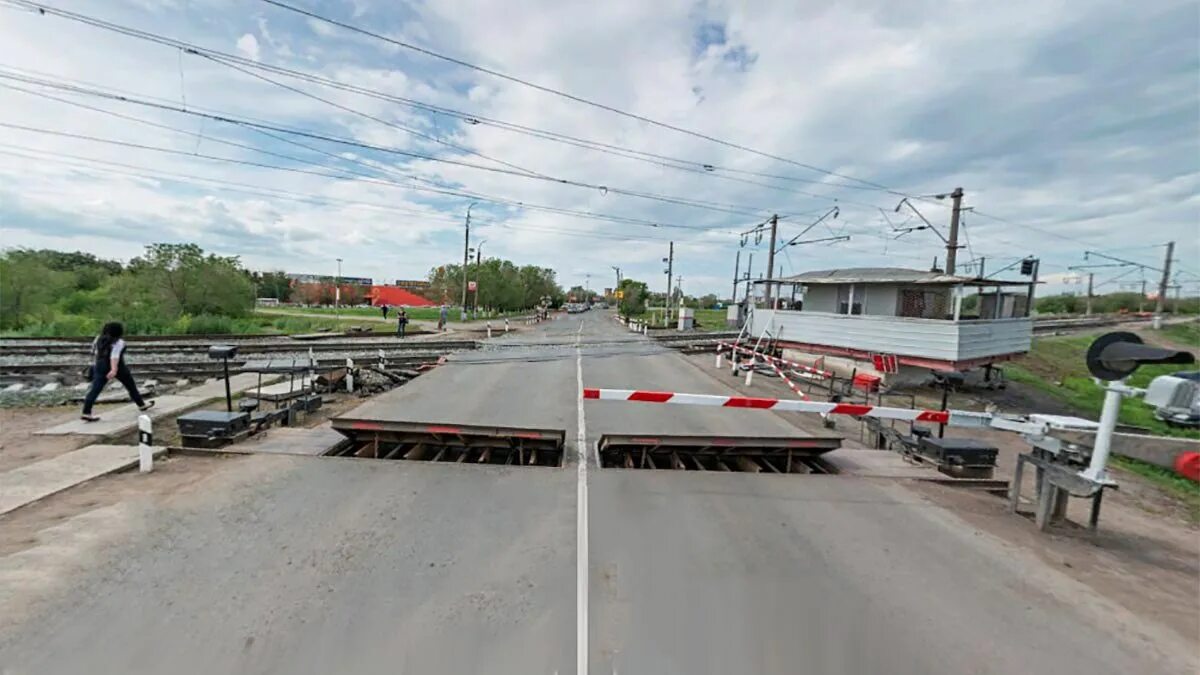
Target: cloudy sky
[1071,127]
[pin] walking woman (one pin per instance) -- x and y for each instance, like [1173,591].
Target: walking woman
[108,356]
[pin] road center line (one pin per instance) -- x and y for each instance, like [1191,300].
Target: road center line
[581,523]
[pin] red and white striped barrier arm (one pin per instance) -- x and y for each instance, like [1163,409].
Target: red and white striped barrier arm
[791,385]
[960,418]
[791,364]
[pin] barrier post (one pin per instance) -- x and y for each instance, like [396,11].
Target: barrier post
[349,376]
[145,444]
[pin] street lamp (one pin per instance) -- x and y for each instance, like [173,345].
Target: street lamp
[478,263]
[337,293]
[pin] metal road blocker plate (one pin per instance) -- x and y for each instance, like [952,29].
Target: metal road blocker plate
[751,454]
[450,442]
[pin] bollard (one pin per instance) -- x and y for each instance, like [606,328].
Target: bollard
[349,376]
[720,360]
[505,324]
[750,374]
[733,361]
[382,360]
[145,443]
[489,327]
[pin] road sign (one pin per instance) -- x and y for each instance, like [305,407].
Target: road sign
[471,286]
[620,295]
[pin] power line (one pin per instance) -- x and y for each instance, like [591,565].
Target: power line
[453,193]
[733,209]
[469,118]
[380,120]
[275,193]
[562,94]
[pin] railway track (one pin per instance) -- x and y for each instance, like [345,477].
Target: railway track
[48,359]
[147,348]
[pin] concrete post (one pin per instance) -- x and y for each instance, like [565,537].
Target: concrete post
[489,329]
[349,376]
[750,374]
[720,360]
[505,324]
[145,444]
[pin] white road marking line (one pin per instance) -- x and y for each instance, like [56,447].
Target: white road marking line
[581,523]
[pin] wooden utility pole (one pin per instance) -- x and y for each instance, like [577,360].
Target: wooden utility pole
[1091,278]
[952,240]
[1162,285]
[771,259]
[1142,295]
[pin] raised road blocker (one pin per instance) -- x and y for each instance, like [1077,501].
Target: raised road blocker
[450,443]
[750,454]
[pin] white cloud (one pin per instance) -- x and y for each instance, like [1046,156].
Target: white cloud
[1008,100]
[248,46]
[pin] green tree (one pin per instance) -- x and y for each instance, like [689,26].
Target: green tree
[183,280]
[273,285]
[634,296]
[27,289]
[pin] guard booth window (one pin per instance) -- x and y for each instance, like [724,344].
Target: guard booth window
[849,300]
[924,304]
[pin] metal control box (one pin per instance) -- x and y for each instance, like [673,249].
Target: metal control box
[208,428]
[960,456]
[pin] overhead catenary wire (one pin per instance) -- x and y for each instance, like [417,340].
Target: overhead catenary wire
[42,9]
[732,209]
[117,168]
[468,117]
[473,195]
[563,94]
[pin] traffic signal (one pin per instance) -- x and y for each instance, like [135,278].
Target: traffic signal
[1027,266]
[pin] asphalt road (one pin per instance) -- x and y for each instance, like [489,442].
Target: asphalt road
[318,565]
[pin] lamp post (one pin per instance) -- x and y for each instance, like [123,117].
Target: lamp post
[337,292]
[478,265]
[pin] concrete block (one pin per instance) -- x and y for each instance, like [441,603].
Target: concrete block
[15,387]
[50,386]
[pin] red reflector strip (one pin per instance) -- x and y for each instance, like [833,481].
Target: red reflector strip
[747,402]
[591,393]
[655,441]
[939,416]
[443,430]
[651,396]
[366,426]
[527,434]
[850,409]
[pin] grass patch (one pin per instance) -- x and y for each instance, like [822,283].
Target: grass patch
[1184,333]
[1166,480]
[711,319]
[1056,366]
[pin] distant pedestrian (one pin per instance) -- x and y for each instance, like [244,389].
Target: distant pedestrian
[443,316]
[108,362]
[401,322]
[385,311]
